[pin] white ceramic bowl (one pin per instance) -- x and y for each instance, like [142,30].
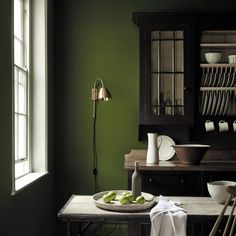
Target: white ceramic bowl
[213,57]
[232,59]
[217,190]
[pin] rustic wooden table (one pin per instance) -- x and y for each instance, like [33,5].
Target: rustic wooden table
[81,208]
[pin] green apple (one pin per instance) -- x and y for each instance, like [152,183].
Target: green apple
[106,198]
[130,197]
[125,193]
[140,200]
[124,200]
[112,195]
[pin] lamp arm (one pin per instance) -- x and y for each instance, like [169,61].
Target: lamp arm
[95,90]
[95,151]
[94,108]
[95,82]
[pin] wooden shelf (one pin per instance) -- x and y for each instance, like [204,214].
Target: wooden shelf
[216,45]
[218,88]
[219,32]
[206,65]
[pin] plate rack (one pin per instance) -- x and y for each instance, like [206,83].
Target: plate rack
[218,90]
[218,81]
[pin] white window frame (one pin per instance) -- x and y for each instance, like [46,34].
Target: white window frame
[35,67]
[21,69]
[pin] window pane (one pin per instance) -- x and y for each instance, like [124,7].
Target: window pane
[18,53]
[166,55]
[167,34]
[179,94]
[16,72]
[179,34]
[20,137]
[155,56]
[18,19]
[179,56]
[21,168]
[166,88]
[20,91]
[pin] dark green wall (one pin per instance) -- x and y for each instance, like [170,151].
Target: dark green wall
[96,38]
[30,212]
[93,38]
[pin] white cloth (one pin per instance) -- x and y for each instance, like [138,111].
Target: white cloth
[167,219]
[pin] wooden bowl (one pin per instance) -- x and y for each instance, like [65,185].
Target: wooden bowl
[190,154]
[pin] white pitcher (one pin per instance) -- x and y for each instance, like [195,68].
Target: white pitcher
[152,151]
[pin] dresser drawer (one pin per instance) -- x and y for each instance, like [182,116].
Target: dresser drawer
[177,183]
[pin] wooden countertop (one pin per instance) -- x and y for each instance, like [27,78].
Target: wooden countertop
[213,161]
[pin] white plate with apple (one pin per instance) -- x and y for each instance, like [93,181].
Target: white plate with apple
[115,205]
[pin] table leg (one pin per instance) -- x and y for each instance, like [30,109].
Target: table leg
[83,227]
[68,228]
[134,229]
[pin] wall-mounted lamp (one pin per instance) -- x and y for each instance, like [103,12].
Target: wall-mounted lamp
[99,93]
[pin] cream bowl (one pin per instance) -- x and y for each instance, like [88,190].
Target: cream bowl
[213,57]
[218,190]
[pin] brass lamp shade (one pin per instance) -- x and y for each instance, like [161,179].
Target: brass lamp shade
[104,94]
[99,93]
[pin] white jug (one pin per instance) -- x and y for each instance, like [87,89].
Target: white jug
[152,151]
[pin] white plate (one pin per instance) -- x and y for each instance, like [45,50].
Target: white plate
[209,103]
[213,107]
[164,143]
[224,79]
[116,206]
[226,102]
[202,101]
[222,103]
[205,102]
[232,79]
[206,77]
[219,78]
[218,103]
[211,78]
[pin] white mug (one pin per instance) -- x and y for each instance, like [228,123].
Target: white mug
[234,126]
[209,125]
[232,59]
[223,126]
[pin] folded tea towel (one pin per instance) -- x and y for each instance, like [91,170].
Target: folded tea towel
[167,219]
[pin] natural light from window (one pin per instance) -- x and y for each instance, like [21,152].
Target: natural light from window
[21,71]
[30,97]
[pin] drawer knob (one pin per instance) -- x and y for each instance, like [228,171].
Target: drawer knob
[182,181]
[150,180]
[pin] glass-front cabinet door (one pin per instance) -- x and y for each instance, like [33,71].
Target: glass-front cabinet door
[167,73]
[166,69]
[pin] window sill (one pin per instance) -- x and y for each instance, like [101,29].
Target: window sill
[26,180]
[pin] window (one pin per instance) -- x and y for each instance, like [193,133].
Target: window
[21,87]
[30,97]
